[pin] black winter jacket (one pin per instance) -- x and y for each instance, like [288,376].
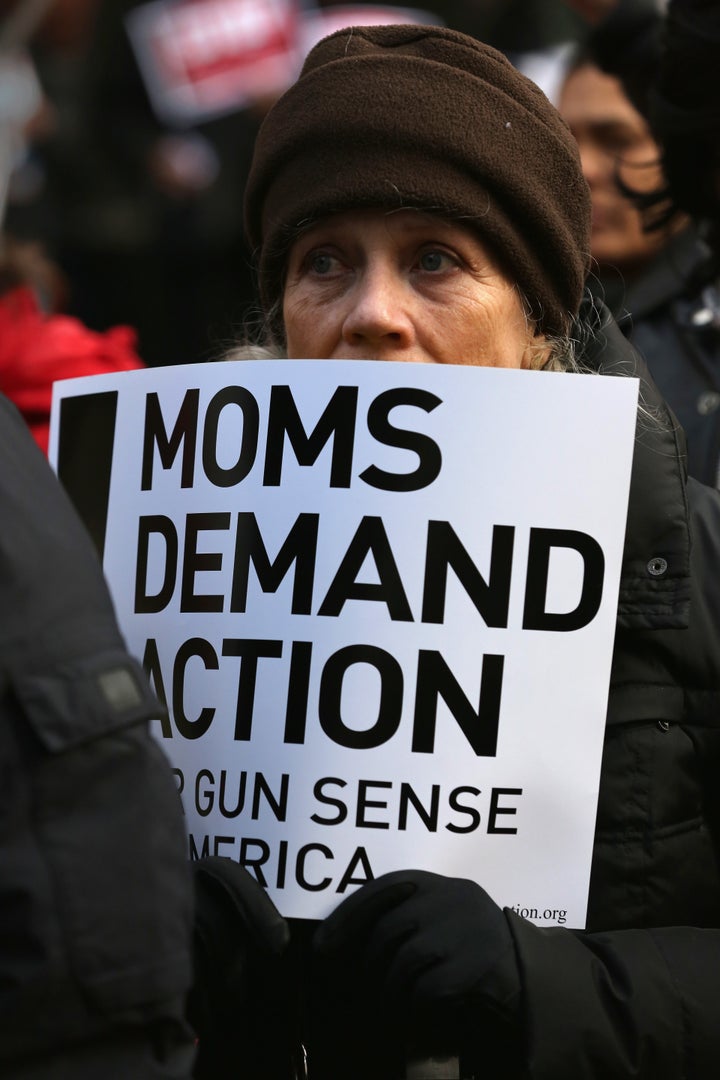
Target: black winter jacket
[636,995]
[95,895]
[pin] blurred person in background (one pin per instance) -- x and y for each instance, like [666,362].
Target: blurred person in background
[616,148]
[140,215]
[651,275]
[39,344]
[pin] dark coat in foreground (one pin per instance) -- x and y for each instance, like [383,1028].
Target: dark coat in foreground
[95,895]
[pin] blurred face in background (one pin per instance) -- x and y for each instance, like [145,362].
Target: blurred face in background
[613,140]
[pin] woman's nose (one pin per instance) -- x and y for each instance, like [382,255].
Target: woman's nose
[379,311]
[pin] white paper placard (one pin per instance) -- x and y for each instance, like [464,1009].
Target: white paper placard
[379,600]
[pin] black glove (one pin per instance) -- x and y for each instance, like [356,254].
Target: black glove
[436,956]
[240,1005]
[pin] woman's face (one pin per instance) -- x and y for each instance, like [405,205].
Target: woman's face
[404,285]
[613,139]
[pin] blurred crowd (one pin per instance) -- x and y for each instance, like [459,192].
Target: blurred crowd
[140,210]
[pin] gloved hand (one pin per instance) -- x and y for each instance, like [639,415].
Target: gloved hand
[434,953]
[240,1002]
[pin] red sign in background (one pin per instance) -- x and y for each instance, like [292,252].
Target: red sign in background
[201,58]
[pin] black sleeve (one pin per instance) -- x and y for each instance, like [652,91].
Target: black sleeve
[95,890]
[627,1004]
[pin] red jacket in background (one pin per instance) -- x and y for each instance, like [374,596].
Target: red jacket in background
[37,349]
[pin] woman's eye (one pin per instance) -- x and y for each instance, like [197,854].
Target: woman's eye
[321,263]
[617,143]
[434,260]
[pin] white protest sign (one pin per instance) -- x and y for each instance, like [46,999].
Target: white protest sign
[379,600]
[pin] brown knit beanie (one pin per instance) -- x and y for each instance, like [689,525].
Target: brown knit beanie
[423,116]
